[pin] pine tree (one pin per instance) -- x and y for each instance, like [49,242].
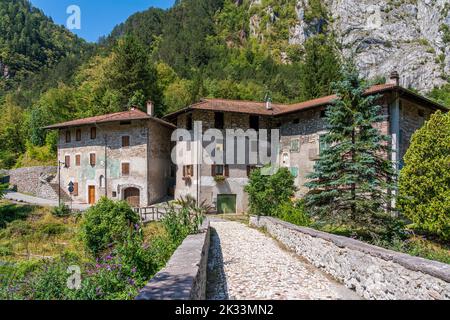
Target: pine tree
[352,179]
[320,67]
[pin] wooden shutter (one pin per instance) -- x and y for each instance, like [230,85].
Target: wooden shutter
[68,136]
[93,133]
[92,159]
[125,169]
[75,189]
[213,170]
[78,135]
[249,170]
[125,141]
[77,160]
[227,170]
[67,161]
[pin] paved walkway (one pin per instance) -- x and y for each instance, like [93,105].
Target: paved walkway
[24,198]
[246,264]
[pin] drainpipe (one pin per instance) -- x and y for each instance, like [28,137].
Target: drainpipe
[106,166]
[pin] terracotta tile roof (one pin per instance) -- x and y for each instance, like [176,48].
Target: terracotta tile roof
[133,114]
[259,108]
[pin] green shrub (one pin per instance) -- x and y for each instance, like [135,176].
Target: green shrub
[180,222]
[293,213]
[12,212]
[424,185]
[267,192]
[61,211]
[107,223]
[52,229]
[19,228]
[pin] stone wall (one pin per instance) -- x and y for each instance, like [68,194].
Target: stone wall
[184,277]
[373,272]
[36,181]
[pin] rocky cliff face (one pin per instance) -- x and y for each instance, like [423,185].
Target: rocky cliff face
[412,36]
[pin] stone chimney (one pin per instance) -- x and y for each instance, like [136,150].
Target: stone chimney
[150,108]
[269,104]
[394,78]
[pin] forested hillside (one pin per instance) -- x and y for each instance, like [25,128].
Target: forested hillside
[30,41]
[240,49]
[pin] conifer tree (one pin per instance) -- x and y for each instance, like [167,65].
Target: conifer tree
[320,67]
[352,179]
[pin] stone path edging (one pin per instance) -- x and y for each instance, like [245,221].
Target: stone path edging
[184,277]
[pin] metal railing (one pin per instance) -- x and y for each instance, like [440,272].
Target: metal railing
[148,214]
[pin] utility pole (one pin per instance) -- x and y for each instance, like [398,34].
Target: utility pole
[59,180]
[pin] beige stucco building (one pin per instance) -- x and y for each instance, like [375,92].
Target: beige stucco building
[124,156]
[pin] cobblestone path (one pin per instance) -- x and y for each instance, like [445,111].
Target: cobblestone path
[246,264]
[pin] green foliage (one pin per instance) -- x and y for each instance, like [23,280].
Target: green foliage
[321,67]
[30,41]
[424,183]
[131,75]
[267,192]
[352,178]
[182,221]
[61,211]
[12,212]
[106,224]
[441,95]
[293,212]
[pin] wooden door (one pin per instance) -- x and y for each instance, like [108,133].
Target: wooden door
[91,194]
[132,196]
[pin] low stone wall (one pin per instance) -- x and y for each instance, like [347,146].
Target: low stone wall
[373,272]
[184,277]
[35,181]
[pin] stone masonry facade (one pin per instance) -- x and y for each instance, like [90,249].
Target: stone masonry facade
[101,165]
[300,143]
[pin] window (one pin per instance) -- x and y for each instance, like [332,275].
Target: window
[254,122]
[78,135]
[75,189]
[218,120]
[77,160]
[295,145]
[93,133]
[189,122]
[250,169]
[125,141]
[294,171]
[188,171]
[323,113]
[114,194]
[102,181]
[92,159]
[125,169]
[220,170]
[67,161]
[68,139]
[322,143]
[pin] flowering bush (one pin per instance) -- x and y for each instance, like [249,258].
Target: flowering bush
[108,223]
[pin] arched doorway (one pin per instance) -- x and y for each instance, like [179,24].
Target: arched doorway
[132,196]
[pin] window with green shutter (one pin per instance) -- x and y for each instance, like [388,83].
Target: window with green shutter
[322,144]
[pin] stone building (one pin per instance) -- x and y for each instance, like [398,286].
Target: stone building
[124,156]
[301,127]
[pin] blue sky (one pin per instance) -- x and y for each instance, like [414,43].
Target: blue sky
[98,17]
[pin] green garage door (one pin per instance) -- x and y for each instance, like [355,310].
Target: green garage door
[226,203]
